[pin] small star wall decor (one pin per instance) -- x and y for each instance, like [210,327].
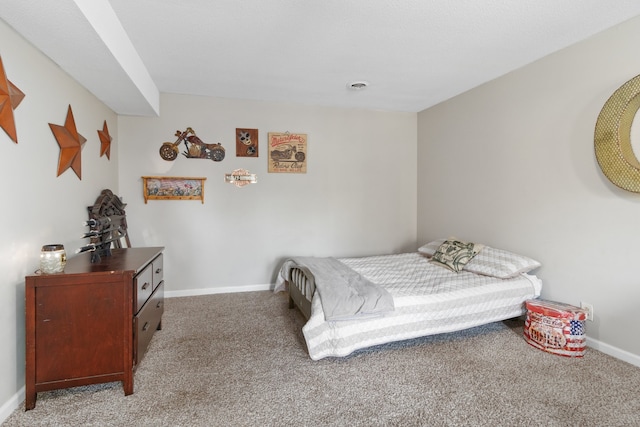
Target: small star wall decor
[71,143]
[10,98]
[15,94]
[105,141]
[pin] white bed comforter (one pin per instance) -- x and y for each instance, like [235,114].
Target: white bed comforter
[428,300]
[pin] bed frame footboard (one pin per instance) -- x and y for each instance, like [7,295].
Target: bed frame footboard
[301,291]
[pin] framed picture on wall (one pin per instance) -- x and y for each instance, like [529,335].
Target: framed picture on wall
[172,188]
[287,152]
[246,142]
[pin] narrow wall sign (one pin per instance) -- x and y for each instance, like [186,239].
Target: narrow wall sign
[240,178]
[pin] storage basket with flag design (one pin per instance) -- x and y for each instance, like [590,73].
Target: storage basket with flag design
[555,327]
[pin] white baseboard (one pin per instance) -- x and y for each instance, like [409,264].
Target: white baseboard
[224,290]
[616,352]
[11,405]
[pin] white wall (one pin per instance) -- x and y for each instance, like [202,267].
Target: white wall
[38,207]
[358,196]
[512,164]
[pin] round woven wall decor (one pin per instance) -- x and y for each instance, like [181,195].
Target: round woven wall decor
[613,137]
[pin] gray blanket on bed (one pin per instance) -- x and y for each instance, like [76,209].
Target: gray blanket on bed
[343,292]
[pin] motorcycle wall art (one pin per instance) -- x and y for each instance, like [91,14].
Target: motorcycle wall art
[287,152]
[195,147]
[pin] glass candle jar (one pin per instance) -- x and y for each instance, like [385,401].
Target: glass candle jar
[52,259]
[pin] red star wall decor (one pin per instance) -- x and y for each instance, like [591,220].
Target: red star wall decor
[10,98]
[70,142]
[105,141]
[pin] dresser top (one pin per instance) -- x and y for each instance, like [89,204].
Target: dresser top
[124,259]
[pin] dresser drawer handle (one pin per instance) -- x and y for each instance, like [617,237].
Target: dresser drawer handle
[159,304]
[145,286]
[146,326]
[158,271]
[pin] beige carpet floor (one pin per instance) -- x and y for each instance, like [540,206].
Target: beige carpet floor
[240,360]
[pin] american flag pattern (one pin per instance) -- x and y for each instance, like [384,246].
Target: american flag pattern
[555,328]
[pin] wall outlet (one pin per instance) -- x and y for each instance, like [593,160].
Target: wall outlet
[589,308]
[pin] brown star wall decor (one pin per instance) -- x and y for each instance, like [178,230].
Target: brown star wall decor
[105,141]
[10,98]
[71,143]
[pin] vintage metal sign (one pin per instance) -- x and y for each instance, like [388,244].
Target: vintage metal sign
[287,152]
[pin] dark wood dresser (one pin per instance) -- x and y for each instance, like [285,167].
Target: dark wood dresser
[92,323]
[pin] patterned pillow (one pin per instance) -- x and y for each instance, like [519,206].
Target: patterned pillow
[490,261]
[455,254]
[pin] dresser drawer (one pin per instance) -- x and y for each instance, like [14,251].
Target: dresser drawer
[146,322]
[143,287]
[158,271]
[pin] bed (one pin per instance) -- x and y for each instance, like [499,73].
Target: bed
[427,296]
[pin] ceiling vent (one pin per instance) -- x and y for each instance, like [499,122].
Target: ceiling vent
[359,85]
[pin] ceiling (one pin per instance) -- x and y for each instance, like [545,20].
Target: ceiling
[413,53]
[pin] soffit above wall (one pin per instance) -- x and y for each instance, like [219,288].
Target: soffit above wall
[413,53]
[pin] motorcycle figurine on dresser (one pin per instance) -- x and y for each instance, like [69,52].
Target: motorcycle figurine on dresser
[195,147]
[107,226]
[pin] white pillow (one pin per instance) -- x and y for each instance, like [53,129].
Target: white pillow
[490,261]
